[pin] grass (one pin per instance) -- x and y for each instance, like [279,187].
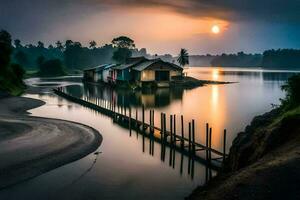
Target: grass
[13,89]
[285,114]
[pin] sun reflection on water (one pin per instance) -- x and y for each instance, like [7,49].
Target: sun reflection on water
[215,74]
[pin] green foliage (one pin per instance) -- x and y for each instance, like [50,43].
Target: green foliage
[31,53]
[72,53]
[237,60]
[51,68]
[292,89]
[11,75]
[121,54]
[281,58]
[93,44]
[183,57]
[21,58]
[123,42]
[40,60]
[5,50]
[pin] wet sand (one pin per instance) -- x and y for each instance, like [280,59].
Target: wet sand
[30,146]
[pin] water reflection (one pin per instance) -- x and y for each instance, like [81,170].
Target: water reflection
[222,74]
[149,98]
[133,166]
[222,106]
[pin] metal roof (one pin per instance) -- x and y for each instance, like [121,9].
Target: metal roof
[100,67]
[144,65]
[97,68]
[125,66]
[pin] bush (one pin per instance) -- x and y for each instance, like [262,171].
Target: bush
[51,68]
[292,89]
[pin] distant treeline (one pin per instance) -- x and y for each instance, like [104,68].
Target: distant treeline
[281,58]
[237,60]
[73,55]
[271,59]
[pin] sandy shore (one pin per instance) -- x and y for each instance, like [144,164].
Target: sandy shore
[30,146]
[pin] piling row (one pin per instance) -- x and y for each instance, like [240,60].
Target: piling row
[170,137]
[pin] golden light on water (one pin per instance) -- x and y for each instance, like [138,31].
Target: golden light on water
[215,74]
[215,29]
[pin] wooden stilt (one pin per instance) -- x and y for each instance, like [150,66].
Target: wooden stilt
[224,146]
[143,117]
[136,118]
[190,132]
[171,129]
[161,127]
[182,132]
[210,134]
[150,121]
[129,120]
[174,130]
[193,137]
[206,144]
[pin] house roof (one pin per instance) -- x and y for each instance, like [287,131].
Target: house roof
[144,65]
[135,59]
[109,66]
[97,68]
[130,62]
[100,67]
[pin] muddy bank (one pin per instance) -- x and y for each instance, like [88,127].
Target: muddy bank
[30,146]
[264,161]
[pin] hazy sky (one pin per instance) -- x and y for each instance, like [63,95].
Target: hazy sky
[161,26]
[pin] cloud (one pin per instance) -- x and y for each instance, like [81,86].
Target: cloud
[233,10]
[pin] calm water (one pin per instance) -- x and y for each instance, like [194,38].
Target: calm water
[125,169]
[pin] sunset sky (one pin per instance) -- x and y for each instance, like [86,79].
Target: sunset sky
[160,26]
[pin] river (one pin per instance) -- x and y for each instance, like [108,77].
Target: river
[124,168]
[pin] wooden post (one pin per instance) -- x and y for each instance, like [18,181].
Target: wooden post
[161,126]
[165,126]
[129,120]
[193,137]
[174,131]
[207,135]
[115,115]
[210,134]
[182,132]
[190,137]
[143,117]
[136,118]
[150,121]
[171,129]
[224,146]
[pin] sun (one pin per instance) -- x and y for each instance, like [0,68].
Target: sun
[215,29]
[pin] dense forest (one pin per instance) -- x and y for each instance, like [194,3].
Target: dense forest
[72,54]
[281,58]
[11,74]
[270,59]
[237,60]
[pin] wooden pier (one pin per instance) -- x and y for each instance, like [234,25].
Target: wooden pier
[187,146]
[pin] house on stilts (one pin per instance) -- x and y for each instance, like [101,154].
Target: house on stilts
[138,70]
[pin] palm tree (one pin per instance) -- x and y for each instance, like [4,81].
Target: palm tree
[93,44]
[183,57]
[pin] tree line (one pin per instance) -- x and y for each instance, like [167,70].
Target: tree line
[273,59]
[11,74]
[75,56]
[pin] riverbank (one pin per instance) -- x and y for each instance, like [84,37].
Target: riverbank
[264,161]
[30,146]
